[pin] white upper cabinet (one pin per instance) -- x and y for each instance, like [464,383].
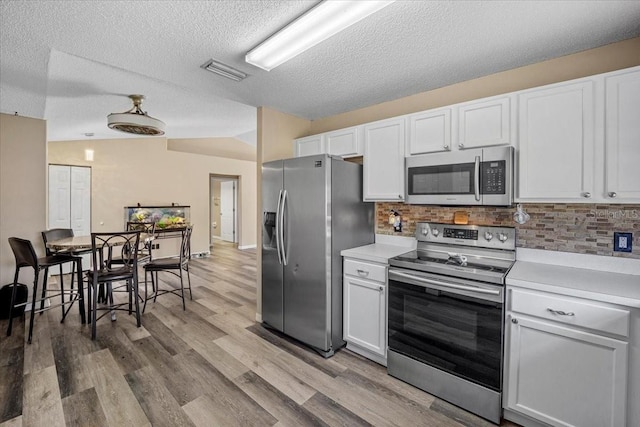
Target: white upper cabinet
[383,161]
[485,122]
[556,142]
[344,142]
[429,131]
[622,136]
[309,145]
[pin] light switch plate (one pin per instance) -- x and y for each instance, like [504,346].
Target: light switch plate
[622,242]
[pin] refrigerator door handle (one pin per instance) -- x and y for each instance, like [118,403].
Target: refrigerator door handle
[282,242]
[278,213]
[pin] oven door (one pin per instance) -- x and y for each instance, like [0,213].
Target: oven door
[444,179]
[451,324]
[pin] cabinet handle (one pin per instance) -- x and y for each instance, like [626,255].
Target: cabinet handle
[613,194]
[560,312]
[362,272]
[514,320]
[381,288]
[399,196]
[586,195]
[460,146]
[446,147]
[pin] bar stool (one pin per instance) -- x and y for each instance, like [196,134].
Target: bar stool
[26,256]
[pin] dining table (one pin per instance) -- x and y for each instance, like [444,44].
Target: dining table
[78,244]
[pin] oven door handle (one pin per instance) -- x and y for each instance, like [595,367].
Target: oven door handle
[444,284]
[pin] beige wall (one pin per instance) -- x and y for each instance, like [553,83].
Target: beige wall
[276,132]
[23,156]
[594,61]
[142,170]
[218,147]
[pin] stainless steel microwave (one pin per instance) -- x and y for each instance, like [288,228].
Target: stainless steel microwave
[482,176]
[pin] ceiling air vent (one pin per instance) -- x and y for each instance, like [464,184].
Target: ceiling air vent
[224,70]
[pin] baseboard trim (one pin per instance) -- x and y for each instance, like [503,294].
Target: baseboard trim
[259,317]
[247,247]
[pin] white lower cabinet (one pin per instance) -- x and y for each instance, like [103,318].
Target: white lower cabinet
[559,373]
[365,309]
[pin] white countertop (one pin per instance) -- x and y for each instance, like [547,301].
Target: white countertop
[381,252]
[600,284]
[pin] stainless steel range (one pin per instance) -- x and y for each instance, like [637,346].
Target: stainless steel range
[446,302]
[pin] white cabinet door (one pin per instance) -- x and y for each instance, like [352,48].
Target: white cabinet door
[430,131]
[344,142]
[485,122]
[308,146]
[623,137]
[364,314]
[383,160]
[566,377]
[556,143]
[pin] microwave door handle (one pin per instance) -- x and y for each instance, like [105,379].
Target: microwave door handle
[278,213]
[477,178]
[445,284]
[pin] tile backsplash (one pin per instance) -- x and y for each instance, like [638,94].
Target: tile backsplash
[579,228]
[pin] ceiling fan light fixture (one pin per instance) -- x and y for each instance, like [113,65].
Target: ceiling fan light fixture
[326,19]
[136,121]
[224,70]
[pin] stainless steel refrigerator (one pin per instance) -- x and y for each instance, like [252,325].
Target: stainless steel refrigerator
[312,209]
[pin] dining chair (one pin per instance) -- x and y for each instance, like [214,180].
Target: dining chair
[121,277]
[145,250]
[174,265]
[25,256]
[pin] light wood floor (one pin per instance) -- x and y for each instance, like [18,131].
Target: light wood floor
[210,365]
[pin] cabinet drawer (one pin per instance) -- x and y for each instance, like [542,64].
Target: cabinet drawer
[572,311]
[365,270]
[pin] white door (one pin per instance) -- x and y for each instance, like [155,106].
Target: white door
[59,196]
[227,211]
[70,202]
[81,201]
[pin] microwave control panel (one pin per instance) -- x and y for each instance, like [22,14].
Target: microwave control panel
[493,180]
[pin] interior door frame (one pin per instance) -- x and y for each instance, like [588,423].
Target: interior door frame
[237,205]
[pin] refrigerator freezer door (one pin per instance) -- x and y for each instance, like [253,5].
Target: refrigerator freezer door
[307,245]
[272,273]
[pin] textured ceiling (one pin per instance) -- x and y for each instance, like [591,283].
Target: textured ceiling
[71,62]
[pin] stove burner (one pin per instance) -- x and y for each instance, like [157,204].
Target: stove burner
[421,259]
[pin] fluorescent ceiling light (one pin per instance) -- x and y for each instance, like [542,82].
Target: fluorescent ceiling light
[224,70]
[323,21]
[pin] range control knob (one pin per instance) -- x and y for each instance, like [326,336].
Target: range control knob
[488,236]
[425,231]
[502,237]
[435,232]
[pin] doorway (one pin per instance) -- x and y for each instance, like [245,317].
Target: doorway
[223,212]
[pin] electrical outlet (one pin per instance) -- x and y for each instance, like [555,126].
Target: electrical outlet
[155,246]
[622,242]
